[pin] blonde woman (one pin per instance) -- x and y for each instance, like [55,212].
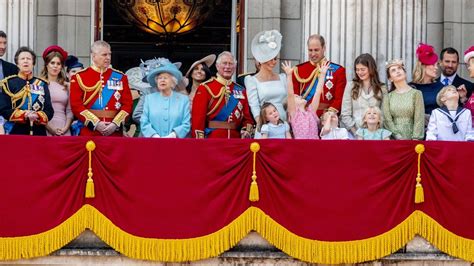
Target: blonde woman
[424,76]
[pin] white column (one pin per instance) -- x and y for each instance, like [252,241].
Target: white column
[17,20]
[386,29]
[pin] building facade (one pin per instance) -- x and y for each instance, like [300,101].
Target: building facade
[386,29]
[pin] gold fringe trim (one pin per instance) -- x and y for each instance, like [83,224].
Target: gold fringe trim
[180,250]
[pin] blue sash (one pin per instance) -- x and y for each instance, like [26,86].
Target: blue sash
[34,96]
[106,92]
[227,110]
[333,68]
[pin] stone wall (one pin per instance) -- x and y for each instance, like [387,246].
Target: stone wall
[451,23]
[87,249]
[386,29]
[66,23]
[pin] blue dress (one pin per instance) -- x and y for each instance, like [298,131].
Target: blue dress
[275,131]
[429,92]
[163,115]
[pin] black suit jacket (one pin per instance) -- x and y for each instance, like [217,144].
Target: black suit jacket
[458,81]
[8,68]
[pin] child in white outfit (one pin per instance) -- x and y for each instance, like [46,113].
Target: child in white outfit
[449,122]
[330,123]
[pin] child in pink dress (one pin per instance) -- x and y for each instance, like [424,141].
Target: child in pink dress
[304,120]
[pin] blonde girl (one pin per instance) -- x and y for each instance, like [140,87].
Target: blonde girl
[372,126]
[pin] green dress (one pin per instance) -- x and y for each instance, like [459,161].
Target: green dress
[404,114]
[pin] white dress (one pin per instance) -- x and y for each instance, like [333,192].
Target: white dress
[274,91]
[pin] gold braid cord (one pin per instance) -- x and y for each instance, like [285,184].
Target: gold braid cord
[21,94]
[312,77]
[97,88]
[220,95]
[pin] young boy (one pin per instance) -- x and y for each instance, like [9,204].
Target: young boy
[449,122]
[330,123]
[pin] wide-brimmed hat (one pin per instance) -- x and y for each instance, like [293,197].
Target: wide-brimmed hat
[135,79]
[208,60]
[157,66]
[468,54]
[72,62]
[55,48]
[426,54]
[266,45]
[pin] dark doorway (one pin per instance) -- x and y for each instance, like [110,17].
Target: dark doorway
[131,44]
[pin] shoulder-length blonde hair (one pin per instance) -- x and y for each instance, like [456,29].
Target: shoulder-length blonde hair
[379,113]
[419,73]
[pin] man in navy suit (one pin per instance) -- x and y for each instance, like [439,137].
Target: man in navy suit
[6,68]
[449,63]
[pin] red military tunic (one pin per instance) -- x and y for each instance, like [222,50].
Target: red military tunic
[211,97]
[88,99]
[306,74]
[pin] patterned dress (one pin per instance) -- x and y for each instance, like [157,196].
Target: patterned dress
[404,114]
[305,124]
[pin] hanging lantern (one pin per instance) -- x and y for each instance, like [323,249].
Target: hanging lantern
[165,17]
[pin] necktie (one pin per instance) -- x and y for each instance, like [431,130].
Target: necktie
[446,81]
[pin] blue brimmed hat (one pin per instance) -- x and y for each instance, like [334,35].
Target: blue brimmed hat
[157,66]
[72,62]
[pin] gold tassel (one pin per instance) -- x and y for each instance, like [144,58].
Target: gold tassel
[254,194]
[90,191]
[419,193]
[254,191]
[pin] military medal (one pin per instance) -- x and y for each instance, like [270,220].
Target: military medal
[118,105]
[328,95]
[36,106]
[237,114]
[329,84]
[117,95]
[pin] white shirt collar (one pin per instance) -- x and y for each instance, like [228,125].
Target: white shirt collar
[451,78]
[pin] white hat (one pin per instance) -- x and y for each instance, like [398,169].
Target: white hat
[135,79]
[208,60]
[266,45]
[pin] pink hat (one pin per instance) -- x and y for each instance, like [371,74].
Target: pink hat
[468,54]
[426,54]
[55,48]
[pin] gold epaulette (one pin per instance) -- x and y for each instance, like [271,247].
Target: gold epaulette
[9,77]
[82,70]
[44,80]
[208,81]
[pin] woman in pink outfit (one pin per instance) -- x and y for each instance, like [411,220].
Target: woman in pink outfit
[53,71]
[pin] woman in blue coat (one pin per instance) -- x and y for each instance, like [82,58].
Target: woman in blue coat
[166,113]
